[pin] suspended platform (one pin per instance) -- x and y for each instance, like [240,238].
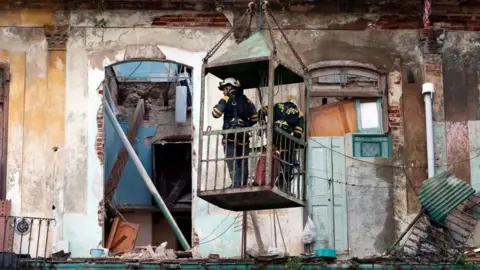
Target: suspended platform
[272,173]
[250,198]
[257,192]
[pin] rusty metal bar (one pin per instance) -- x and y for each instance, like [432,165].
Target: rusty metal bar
[46,239]
[206,165]
[38,236]
[409,227]
[271,82]
[233,131]
[225,164]
[216,164]
[200,128]
[235,146]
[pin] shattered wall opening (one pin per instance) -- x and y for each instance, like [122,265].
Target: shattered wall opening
[173,179]
[152,102]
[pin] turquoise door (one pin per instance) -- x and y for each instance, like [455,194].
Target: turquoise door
[326,192]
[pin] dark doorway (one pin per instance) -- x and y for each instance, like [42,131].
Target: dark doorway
[172,170]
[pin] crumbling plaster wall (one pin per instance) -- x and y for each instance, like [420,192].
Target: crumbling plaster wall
[36,151]
[395,52]
[76,184]
[159,108]
[97,48]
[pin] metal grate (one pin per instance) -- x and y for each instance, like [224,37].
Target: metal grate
[428,240]
[371,145]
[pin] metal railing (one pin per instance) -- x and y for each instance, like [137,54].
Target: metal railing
[242,164]
[23,238]
[437,242]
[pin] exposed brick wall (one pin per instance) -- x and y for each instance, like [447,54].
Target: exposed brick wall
[458,23]
[395,124]
[433,73]
[192,20]
[99,137]
[394,117]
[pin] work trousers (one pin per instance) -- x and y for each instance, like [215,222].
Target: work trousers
[238,167]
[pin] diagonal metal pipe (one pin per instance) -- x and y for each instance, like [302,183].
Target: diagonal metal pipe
[151,187]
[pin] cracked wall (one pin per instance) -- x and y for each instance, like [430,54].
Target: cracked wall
[72,177]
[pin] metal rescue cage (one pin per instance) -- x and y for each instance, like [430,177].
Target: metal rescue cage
[275,171]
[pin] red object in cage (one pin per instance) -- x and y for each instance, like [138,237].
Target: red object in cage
[261,171]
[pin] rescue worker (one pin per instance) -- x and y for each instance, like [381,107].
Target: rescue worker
[288,118]
[238,112]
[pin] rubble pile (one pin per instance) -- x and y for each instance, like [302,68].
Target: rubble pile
[157,254]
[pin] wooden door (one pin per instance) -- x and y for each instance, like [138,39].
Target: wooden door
[326,193]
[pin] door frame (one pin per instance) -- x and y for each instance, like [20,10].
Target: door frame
[308,212]
[4,101]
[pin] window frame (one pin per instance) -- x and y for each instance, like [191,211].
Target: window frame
[388,142]
[380,129]
[380,92]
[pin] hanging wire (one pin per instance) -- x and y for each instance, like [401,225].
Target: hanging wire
[392,166]
[224,232]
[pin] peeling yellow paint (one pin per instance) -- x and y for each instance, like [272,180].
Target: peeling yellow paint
[27,17]
[4,56]
[17,89]
[55,108]
[17,61]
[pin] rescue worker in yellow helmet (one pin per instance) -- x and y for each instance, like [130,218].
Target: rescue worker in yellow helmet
[288,118]
[238,112]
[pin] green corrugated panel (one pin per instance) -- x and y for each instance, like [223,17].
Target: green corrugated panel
[439,195]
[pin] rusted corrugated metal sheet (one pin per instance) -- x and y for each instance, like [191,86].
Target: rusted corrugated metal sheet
[439,195]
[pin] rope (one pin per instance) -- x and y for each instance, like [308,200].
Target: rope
[297,56]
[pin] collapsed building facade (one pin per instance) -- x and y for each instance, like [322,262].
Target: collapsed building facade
[59,150]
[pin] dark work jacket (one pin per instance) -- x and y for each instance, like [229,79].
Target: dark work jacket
[238,111]
[287,117]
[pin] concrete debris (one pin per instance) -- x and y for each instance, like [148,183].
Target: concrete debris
[274,251]
[148,253]
[213,256]
[195,253]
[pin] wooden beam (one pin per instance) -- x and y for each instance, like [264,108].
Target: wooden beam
[122,158]
[318,91]
[256,231]
[175,193]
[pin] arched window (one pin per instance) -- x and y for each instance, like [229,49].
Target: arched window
[362,82]
[359,95]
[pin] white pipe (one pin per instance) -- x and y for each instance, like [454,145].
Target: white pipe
[145,177]
[427,91]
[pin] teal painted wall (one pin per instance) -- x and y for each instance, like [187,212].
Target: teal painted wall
[131,189]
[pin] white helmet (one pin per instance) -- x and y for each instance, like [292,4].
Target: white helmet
[229,81]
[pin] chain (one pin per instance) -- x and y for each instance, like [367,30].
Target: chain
[222,40]
[265,9]
[269,15]
[246,32]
